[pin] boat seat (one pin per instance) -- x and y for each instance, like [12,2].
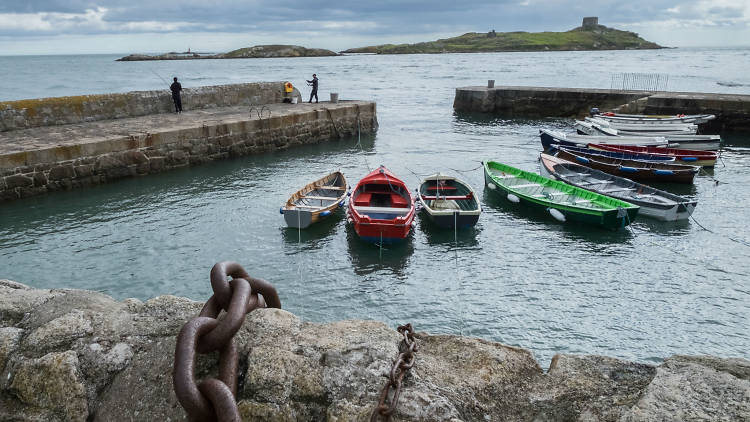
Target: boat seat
[331,187]
[308,207]
[363,199]
[505,176]
[543,195]
[399,201]
[582,201]
[382,210]
[322,198]
[616,190]
[527,185]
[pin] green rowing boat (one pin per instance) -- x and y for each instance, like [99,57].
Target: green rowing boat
[563,201]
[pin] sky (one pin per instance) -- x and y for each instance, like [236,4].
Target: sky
[149,26]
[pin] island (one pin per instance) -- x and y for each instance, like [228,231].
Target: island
[589,36]
[258,51]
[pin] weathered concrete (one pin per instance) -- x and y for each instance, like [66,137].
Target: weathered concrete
[80,355]
[732,111]
[24,114]
[49,158]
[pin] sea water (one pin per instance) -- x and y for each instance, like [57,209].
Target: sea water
[522,279]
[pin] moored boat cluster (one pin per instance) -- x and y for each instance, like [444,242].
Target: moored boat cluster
[593,178]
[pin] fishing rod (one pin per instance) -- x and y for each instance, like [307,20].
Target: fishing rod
[159,76]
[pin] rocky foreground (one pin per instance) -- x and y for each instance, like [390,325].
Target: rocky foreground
[80,355]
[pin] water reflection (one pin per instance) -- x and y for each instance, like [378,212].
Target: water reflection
[320,230]
[436,235]
[367,258]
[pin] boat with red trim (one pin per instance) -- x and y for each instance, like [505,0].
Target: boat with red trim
[449,201]
[381,207]
[681,156]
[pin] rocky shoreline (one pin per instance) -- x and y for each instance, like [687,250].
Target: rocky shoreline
[255,52]
[80,355]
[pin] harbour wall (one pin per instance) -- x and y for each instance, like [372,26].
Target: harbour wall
[50,158]
[24,114]
[732,111]
[76,355]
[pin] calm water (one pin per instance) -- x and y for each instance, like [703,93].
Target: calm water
[660,289]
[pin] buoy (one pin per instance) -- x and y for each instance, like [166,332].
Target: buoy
[689,158]
[557,214]
[281,210]
[325,213]
[513,198]
[491,186]
[341,204]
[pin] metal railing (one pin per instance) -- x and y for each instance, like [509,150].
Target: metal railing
[653,82]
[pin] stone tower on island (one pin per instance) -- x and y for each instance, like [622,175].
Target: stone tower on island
[590,22]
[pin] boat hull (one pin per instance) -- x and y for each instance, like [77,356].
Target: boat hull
[316,201]
[657,204]
[619,215]
[630,169]
[448,201]
[381,208]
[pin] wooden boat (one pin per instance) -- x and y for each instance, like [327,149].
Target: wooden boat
[693,142]
[448,201]
[623,155]
[664,128]
[631,169]
[563,201]
[550,137]
[647,119]
[654,203]
[381,207]
[681,156]
[315,201]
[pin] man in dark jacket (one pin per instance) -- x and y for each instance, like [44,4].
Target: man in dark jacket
[314,92]
[176,88]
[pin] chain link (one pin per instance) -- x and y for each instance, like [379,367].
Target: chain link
[401,366]
[214,399]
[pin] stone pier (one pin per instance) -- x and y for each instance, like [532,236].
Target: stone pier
[732,111]
[71,142]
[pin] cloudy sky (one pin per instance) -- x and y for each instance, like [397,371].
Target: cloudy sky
[150,26]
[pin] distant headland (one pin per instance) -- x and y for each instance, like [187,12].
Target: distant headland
[258,51]
[589,36]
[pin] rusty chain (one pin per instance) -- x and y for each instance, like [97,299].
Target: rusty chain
[215,398]
[401,366]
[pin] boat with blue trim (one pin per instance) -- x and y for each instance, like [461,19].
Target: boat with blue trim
[315,201]
[647,171]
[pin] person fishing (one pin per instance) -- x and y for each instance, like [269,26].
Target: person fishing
[314,93]
[176,88]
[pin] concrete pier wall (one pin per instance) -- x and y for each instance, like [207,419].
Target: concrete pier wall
[732,111]
[87,108]
[51,158]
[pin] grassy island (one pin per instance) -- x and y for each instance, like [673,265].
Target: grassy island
[590,37]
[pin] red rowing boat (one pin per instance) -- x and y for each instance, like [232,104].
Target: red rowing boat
[681,156]
[381,207]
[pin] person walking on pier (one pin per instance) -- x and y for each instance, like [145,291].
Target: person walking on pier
[176,88]
[314,92]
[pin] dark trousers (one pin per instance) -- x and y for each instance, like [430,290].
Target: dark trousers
[177,103]
[314,94]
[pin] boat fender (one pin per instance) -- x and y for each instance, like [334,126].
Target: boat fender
[628,169]
[557,214]
[582,160]
[341,204]
[664,172]
[491,186]
[689,158]
[281,210]
[325,213]
[513,198]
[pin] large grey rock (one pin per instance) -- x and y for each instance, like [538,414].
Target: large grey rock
[78,355]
